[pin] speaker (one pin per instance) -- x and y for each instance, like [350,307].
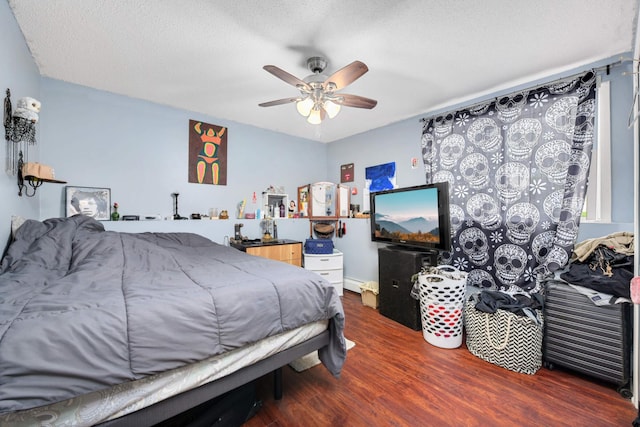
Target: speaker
[395,268]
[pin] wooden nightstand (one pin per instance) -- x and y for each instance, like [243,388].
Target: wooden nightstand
[289,251]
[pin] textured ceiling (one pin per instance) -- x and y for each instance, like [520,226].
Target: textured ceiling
[207,56]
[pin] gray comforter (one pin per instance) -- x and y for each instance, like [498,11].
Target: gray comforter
[82,309]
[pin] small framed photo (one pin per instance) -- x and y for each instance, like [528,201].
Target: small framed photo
[90,201]
[303,201]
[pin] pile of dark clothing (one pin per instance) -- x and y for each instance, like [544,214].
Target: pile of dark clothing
[604,264]
[490,301]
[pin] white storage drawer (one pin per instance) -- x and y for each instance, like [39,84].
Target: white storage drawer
[323,262]
[332,276]
[327,266]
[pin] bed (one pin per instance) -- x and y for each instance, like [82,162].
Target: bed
[100,327]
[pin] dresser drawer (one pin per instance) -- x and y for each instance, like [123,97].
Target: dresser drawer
[332,276]
[323,262]
[289,253]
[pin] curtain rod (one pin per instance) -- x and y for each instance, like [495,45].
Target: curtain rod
[595,70]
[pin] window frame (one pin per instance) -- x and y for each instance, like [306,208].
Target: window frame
[597,205]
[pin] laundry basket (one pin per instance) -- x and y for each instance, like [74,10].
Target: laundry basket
[442,291]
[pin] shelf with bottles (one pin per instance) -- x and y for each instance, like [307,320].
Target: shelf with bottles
[275,205]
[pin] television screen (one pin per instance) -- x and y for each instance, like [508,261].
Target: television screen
[412,216]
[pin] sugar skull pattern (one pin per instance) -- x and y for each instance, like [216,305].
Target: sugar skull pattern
[517,170]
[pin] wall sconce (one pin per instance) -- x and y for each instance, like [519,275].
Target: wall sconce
[20,132]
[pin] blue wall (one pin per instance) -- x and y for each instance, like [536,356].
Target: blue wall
[397,143]
[19,73]
[139,150]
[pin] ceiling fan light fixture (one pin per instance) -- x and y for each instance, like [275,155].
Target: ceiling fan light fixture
[315,118]
[304,106]
[318,98]
[331,108]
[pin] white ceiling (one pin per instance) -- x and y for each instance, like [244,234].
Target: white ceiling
[206,56]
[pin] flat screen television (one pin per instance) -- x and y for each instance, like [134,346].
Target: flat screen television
[417,217]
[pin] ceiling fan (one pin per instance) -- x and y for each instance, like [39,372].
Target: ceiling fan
[318,97]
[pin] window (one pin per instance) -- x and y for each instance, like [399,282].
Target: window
[597,206]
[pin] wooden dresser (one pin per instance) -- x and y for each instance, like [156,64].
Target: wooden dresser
[289,251]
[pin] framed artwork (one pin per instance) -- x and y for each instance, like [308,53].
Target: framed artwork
[378,178]
[346,173]
[90,201]
[207,153]
[381,177]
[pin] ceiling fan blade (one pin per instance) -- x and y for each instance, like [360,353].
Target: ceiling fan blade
[347,75]
[356,101]
[284,76]
[278,102]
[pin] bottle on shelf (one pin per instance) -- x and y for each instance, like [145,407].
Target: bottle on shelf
[283,213]
[115,216]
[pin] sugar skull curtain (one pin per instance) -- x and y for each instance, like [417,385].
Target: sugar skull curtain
[517,169]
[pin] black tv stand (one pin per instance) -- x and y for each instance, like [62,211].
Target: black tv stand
[396,265]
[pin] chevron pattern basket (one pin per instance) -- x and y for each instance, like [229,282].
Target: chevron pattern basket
[505,339]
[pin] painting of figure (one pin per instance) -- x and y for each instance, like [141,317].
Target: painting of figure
[207,153]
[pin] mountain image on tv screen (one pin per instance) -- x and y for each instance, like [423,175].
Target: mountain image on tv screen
[410,216]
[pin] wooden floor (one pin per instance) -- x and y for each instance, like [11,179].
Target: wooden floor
[393,377]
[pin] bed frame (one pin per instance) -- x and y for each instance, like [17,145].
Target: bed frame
[180,403]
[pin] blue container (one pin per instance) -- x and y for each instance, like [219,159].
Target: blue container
[318,246]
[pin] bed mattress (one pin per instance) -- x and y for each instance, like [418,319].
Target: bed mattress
[84,310]
[100,406]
